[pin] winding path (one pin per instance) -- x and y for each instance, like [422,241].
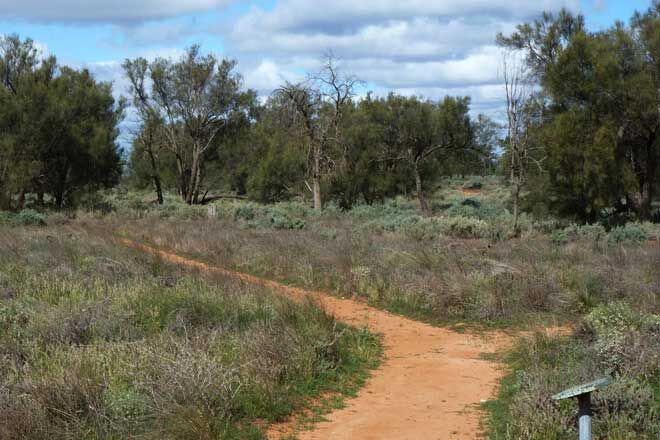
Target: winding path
[429,386]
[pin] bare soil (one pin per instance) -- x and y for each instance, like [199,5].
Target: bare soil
[467,192]
[430,385]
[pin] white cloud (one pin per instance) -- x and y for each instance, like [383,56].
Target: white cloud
[152,34]
[421,47]
[418,38]
[103,10]
[480,67]
[266,76]
[339,15]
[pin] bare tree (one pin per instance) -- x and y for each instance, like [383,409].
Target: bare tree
[519,114]
[317,104]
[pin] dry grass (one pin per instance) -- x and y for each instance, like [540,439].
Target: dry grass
[100,342]
[440,280]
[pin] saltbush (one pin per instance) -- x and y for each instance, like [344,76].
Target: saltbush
[575,232]
[630,233]
[27,217]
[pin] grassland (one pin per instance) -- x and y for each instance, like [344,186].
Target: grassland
[99,342]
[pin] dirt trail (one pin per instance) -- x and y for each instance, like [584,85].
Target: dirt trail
[429,387]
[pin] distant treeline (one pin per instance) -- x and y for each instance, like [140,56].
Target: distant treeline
[200,130]
[583,142]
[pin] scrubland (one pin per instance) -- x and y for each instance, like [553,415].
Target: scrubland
[140,336]
[99,342]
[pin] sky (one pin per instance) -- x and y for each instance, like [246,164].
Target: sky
[430,48]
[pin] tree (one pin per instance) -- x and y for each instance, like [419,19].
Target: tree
[59,128]
[148,142]
[414,131]
[486,140]
[544,39]
[82,151]
[366,175]
[606,86]
[195,98]
[317,105]
[519,119]
[18,59]
[275,140]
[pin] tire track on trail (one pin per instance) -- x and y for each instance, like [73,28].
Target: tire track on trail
[429,386]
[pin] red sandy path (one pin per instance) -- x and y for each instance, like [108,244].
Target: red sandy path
[429,386]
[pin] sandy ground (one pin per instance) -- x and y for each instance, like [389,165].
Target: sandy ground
[429,386]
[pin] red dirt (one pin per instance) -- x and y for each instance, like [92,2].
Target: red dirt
[430,385]
[470,191]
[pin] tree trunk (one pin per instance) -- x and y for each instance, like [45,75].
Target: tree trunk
[59,199]
[193,183]
[155,176]
[423,205]
[316,186]
[198,184]
[316,181]
[647,188]
[183,181]
[61,189]
[21,200]
[515,199]
[5,201]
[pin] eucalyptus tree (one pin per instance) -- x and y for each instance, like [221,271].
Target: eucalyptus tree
[195,99]
[18,60]
[519,113]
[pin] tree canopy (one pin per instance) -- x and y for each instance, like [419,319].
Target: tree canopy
[59,128]
[601,112]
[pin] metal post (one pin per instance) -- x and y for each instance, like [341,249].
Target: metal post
[584,416]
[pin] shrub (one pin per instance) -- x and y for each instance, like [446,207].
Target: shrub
[464,227]
[623,335]
[475,208]
[278,220]
[27,217]
[630,233]
[245,211]
[575,232]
